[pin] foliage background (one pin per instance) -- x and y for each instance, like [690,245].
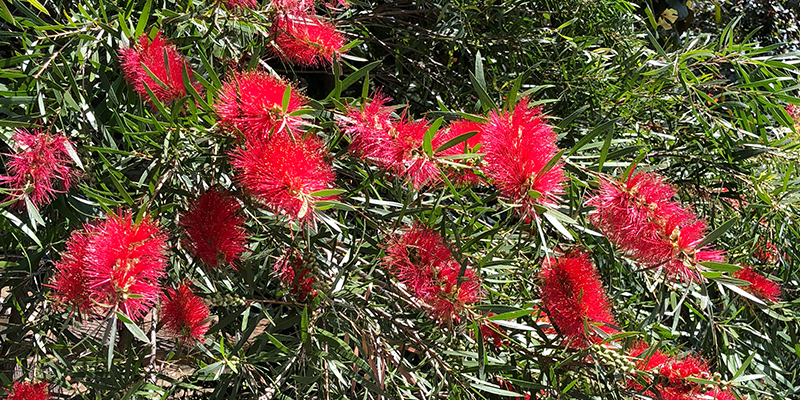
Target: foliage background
[707,112]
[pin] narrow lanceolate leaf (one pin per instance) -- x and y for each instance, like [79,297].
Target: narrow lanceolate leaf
[717,232]
[137,333]
[427,143]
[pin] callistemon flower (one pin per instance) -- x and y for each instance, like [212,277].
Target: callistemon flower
[70,283]
[794,112]
[300,283]
[283,172]
[767,253]
[406,157]
[719,394]
[640,216]
[369,129]
[39,168]
[305,39]
[673,375]
[419,258]
[518,145]
[252,102]
[760,285]
[574,297]
[164,62]
[214,228]
[29,391]
[184,314]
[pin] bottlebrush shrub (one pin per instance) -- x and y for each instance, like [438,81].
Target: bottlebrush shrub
[288,231]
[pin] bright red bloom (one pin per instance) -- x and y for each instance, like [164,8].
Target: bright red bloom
[641,217]
[164,62]
[184,314]
[231,4]
[760,285]
[252,102]
[397,145]
[124,259]
[305,39]
[463,126]
[368,128]
[654,360]
[419,258]
[301,284]
[39,168]
[673,374]
[767,253]
[518,145]
[283,172]
[70,283]
[793,111]
[214,228]
[574,297]
[29,391]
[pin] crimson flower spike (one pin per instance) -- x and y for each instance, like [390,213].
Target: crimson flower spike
[518,146]
[184,314]
[39,168]
[574,297]
[163,61]
[29,391]
[305,39]
[214,228]
[640,216]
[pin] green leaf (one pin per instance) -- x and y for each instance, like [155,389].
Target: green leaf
[287,97]
[512,315]
[137,333]
[604,151]
[456,140]
[490,388]
[711,237]
[327,192]
[38,6]
[718,266]
[362,72]
[486,102]
[143,19]
[427,142]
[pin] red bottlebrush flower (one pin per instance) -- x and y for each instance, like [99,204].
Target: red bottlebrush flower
[767,253]
[164,62]
[573,295]
[463,176]
[674,373]
[214,228]
[419,258]
[794,112]
[70,283]
[283,172]
[518,145]
[252,102]
[113,261]
[654,360]
[29,391]
[760,285]
[231,4]
[305,39]
[126,259]
[184,314]
[492,332]
[369,130]
[39,168]
[641,217]
[294,7]
[301,284]
[395,145]
[463,126]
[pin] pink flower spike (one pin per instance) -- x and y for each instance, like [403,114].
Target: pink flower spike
[39,168]
[305,39]
[252,102]
[283,172]
[760,285]
[70,283]
[574,297]
[164,62]
[29,391]
[184,314]
[232,4]
[214,228]
[518,144]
